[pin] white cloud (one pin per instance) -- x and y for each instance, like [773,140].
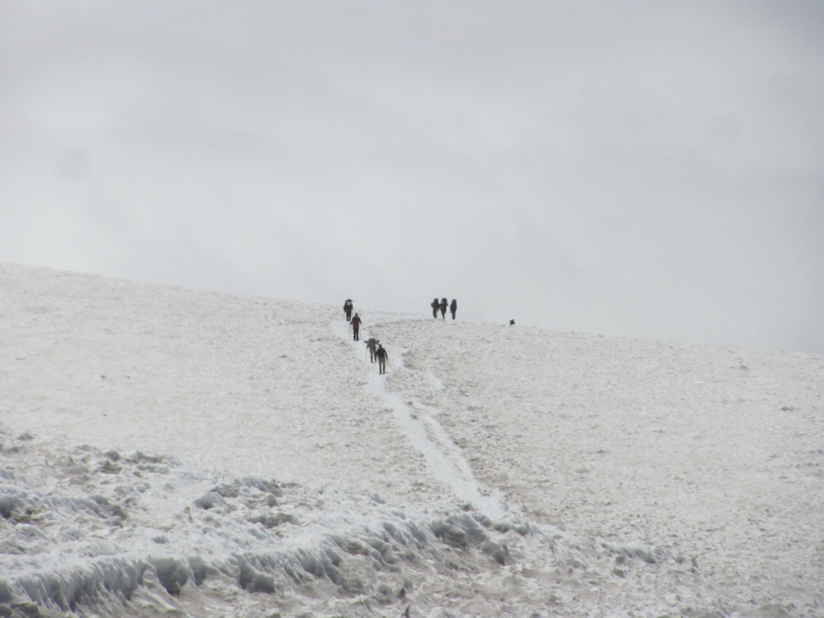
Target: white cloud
[643,170]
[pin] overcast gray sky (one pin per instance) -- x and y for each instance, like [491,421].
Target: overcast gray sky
[644,169]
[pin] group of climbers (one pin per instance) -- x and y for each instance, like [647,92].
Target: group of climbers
[376,350]
[441,305]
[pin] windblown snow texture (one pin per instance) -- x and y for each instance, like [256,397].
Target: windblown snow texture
[91,531]
[174,451]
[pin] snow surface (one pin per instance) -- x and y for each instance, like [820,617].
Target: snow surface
[166,450]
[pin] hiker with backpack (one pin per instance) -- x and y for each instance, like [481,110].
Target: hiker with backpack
[382,355]
[347,309]
[443,306]
[356,322]
[454,307]
[372,346]
[435,306]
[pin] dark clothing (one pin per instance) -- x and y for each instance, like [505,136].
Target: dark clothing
[382,356]
[347,310]
[356,322]
[454,308]
[443,308]
[372,345]
[435,306]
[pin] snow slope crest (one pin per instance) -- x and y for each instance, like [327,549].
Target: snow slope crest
[185,451]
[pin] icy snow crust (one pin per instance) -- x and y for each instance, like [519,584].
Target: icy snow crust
[494,470]
[94,532]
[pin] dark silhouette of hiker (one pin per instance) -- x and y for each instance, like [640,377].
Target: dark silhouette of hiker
[347,309]
[443,306]
[454,307]
[372,345]
[356,322]
[382,356]
[435,306]
[512,322]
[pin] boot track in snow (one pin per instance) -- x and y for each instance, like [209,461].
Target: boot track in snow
[443,458]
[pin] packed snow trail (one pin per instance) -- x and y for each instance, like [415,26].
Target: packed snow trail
[685,480]
[444,459]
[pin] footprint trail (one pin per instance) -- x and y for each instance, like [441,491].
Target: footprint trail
[444,459]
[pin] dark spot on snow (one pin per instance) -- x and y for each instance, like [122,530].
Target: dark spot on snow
[171,573]
[206,501]
[199,569]
[253,581]
[7,504]
[451,535]
[498,552]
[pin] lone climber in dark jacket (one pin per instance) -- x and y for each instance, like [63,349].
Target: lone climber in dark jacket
[454,307]
[356,322]
[382,356]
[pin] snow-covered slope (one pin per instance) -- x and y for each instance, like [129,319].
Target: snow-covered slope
[243,457]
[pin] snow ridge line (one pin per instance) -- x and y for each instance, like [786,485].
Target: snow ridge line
[247,546]
[444,459]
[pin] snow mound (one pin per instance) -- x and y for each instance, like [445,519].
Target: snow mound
[492,470]
[88,531]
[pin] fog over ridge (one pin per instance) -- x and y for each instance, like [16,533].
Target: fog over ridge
[642,170]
